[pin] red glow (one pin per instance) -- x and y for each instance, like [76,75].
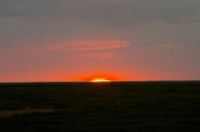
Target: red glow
[99,77]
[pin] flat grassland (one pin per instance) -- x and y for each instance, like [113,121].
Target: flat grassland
[116,106]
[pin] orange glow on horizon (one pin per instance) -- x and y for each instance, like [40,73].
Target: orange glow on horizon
[100,80]
[98,77]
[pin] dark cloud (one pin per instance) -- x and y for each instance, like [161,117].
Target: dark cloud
[68,18]
[112,12]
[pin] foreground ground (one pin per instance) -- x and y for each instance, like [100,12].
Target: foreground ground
[125,106]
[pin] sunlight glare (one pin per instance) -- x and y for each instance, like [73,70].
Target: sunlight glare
[100,80]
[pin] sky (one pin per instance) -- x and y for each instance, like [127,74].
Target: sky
[122,40]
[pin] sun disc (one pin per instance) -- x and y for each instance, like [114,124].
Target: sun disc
[100,80]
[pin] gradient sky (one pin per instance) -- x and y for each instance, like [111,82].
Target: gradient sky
[73,40]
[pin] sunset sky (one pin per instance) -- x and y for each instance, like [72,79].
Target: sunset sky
[121,40]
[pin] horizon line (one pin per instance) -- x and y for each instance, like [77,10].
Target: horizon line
[20,82]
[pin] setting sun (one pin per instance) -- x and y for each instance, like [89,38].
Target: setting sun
[100,80]
[99,77]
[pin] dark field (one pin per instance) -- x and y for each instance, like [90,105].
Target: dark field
[119,106]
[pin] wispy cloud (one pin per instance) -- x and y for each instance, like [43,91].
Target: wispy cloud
[170,45]
[99,56]
[88,45]
[46,46]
